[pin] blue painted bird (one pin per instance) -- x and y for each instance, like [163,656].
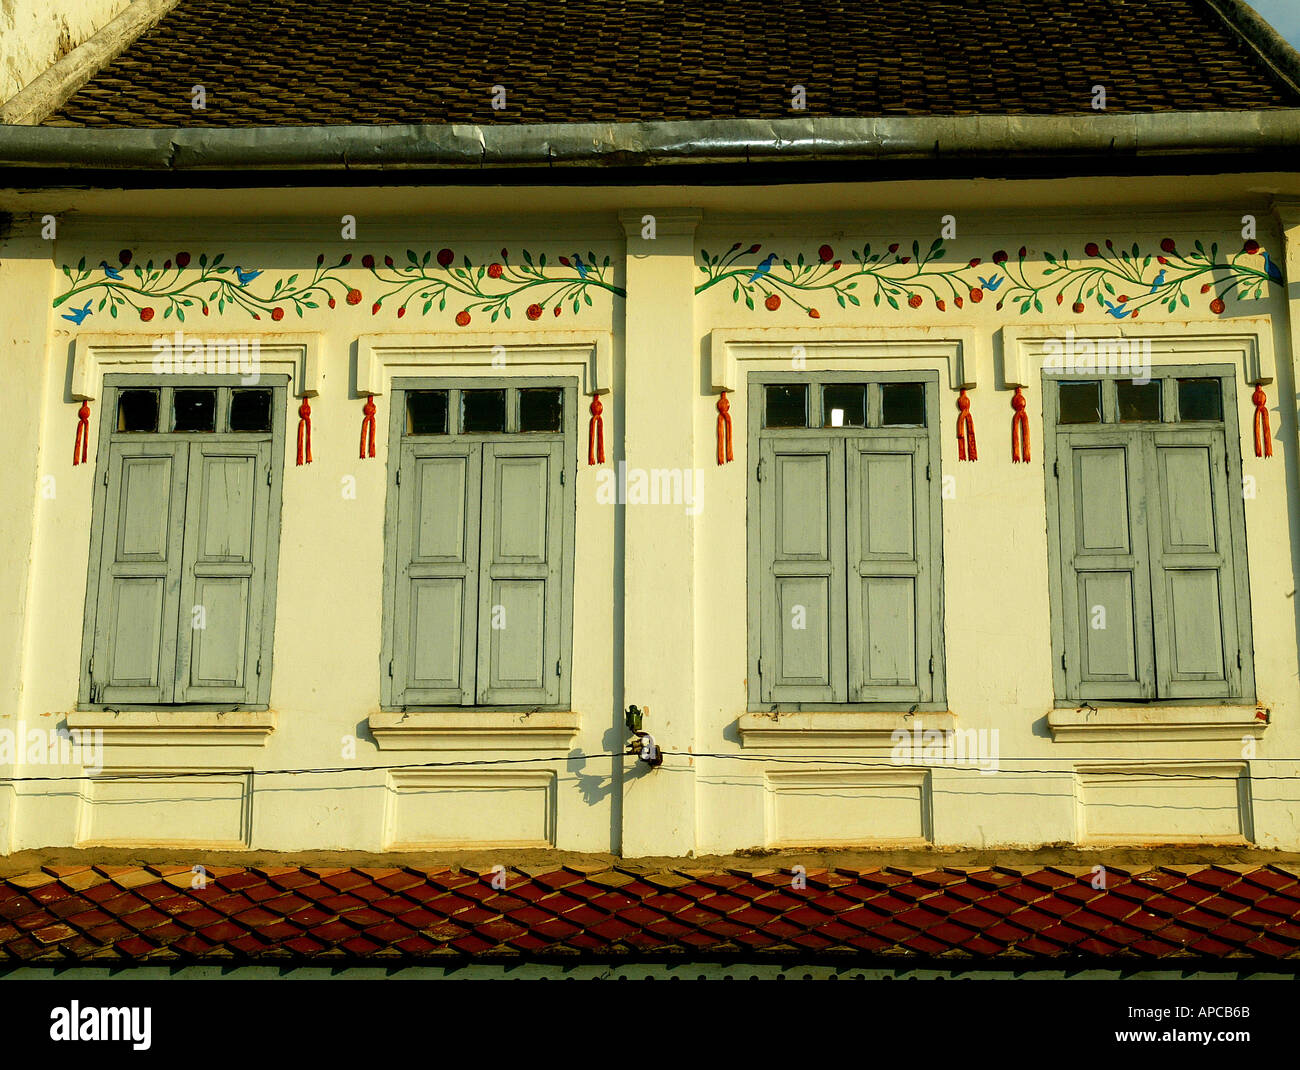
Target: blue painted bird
[1274,272]
[245,277]
[110,271]
[1158,281]
[993,283]
[1118,311]
[763,268]
[582,268]
[78,314]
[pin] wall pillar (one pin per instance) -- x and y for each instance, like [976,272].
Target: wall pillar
[662,392]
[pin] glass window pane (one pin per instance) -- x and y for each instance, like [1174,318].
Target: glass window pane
[426,412]
[1080,403]
[137,410]
[1139,402]
[194,410]
[902,404]
[1200,399]
[482,411]
[787,405]
[844,405]
[250,410]
[541,409]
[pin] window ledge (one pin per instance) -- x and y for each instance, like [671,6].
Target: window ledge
[177,727]
[836,728]
[1137,724]
[474,729]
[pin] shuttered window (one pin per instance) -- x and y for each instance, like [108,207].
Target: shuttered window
[181,593]
[844,538]
[479,544]
[1150,590]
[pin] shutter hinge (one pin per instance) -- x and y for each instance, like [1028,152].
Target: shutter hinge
[557,666]
[1239,659]
[259,666]
[92,690]
[90,665]
[760,668]
[931,664]
[562,478]
[758,472]
[268,475]
[1062,659]
[390,667]
[927,472]
[1056,469]
[397,474]
[106,475]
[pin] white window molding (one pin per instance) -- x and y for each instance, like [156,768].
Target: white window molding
[1145,724]
[857,347]
[1247,343]
[97,355]
[852,729]
[381,357]
[177,727]
[475,729]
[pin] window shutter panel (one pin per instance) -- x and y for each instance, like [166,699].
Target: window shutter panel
[142,526]
[520,603]
[1105,582]
[223,581]
[1192,567]
[891,615]
[435,596]
[801,570]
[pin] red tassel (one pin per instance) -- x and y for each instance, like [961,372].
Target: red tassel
[368,424]
[304,432]
[1263,439]
[83,434]
[1020,423]
[966,422]
[724,429]
[596,433]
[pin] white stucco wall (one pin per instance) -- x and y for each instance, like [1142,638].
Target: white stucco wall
[660,606]
[37,33]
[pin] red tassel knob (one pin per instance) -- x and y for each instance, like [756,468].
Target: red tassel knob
[304,432]
[83,434]
[965,429]
[596,433]
[1263,437]
[724,429]
[1019,429]
[368,426]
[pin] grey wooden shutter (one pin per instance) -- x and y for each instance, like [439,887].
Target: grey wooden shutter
[520,601]
[1105,580]
[224,577]
[1192,568]
[141,531]
[801,570]
[891,615]
[435,593]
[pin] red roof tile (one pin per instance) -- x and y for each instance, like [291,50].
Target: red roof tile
[407,914]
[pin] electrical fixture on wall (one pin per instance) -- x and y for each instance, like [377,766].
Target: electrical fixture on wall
[642,743]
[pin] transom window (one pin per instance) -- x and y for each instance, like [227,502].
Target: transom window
[844,542]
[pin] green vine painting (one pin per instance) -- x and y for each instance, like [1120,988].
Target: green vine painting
[421,281]
[1121,281]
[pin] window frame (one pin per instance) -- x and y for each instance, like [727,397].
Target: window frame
[113,385]
[567,437]
[930,434]
[1143,434]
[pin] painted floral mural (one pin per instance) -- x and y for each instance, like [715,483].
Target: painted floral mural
[1120,281]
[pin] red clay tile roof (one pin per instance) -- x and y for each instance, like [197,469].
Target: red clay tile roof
[292,914]
[434,61]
